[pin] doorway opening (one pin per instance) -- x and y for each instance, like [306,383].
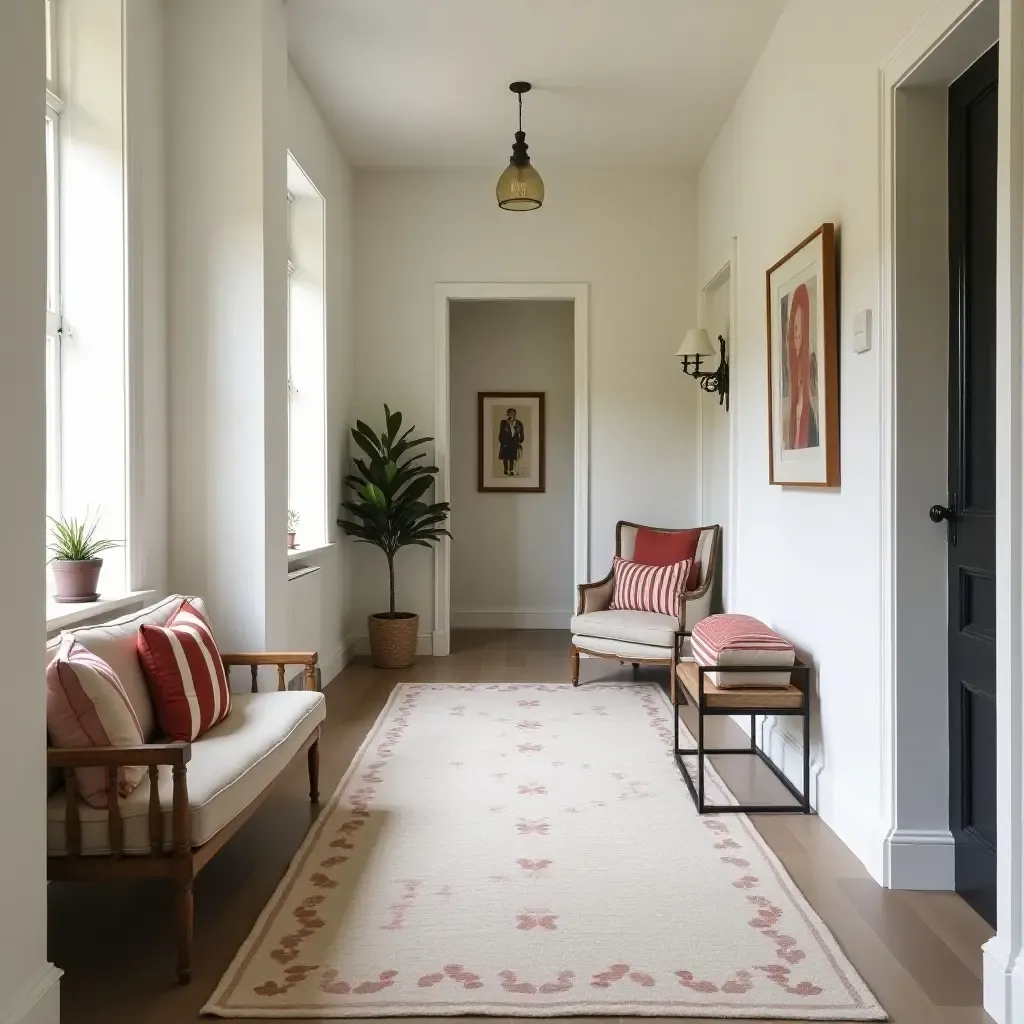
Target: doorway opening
[927,369]
[512,463]
[471,328]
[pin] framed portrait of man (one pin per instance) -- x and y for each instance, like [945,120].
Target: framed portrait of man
[803,365]
[510,441]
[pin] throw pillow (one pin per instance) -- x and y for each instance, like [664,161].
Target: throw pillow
[649,588]
[661,547]
[185,674]
[86,706]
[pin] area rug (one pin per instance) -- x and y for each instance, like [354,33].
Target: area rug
[530,850]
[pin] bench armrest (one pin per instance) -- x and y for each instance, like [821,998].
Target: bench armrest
[151,755]
[277,658]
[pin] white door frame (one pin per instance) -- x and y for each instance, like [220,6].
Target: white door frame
[1003,959]
[444,294]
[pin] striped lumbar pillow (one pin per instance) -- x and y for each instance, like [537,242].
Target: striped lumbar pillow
[186,676]
[649,588]
[86,706]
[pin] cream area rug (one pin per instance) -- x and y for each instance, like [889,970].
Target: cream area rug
[530,850]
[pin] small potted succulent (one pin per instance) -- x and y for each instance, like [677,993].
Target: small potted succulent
[74,557]
[387,510]
[293,525]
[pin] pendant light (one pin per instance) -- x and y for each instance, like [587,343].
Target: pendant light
[520,187]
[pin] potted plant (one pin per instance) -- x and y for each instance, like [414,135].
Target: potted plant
[293,525]
[75,549]
[387,511]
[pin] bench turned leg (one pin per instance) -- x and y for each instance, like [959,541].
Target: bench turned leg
[183,913]
[313,761]
[575,667]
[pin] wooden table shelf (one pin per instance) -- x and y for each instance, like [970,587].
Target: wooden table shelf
[762,698]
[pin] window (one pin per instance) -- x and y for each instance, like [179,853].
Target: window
[307,377]
[54,106]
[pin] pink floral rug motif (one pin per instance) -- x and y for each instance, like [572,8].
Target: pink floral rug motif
[458,870]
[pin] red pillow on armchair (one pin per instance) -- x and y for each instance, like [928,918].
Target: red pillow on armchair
[666,547]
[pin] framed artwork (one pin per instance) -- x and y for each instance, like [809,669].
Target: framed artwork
[803,365]
[510,441]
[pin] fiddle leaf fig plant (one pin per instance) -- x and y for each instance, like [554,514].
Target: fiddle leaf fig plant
[389,485]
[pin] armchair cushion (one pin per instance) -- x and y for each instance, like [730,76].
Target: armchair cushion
[649,588]
[231,765]
[664,547]
[650,628]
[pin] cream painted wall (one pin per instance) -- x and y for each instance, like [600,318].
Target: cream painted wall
[800,148]
[27,982]
[512,557]
[227,267]
[315,149]
[630,235]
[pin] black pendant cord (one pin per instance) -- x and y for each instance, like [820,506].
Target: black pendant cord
[520,111]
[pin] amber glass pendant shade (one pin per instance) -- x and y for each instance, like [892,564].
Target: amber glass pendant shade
[520,187]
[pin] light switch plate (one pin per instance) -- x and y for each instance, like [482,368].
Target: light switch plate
[862,331]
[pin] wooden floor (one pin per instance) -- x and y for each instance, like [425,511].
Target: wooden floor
[919,952]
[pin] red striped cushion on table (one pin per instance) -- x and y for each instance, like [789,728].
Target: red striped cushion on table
[186,676]
[649,588]
[735,633]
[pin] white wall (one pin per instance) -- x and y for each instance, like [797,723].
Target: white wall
[27,981]
[512,558]
[800,148]
[630,235]
[227,297]
[319,156]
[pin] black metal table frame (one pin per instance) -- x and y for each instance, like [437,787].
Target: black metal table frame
[802,676]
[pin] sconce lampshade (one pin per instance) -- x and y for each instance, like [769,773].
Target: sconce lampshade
[696,343]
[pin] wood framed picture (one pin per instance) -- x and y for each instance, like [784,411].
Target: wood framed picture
[510,441]
[803,365]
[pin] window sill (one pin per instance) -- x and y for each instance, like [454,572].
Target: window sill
[60,616]
[308,554]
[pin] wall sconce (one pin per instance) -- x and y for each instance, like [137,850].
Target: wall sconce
[697,346]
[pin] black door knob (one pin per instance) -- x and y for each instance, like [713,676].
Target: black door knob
[939,512]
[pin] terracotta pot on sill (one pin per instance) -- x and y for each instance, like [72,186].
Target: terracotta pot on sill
[393,639]
[76,581]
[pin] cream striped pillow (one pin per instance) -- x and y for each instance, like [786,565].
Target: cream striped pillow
[649,588]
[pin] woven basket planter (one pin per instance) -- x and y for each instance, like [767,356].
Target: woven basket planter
[393,640]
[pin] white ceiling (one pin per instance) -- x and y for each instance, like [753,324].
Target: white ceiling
[424,83]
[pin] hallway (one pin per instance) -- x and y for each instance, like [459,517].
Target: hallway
[920,952]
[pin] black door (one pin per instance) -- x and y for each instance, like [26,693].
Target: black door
[973,124]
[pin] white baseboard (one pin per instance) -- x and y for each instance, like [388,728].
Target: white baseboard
[39,1001]
[786,751]
[841,805]
[921,859]
[360,644]
[1003,986]
[511,618]
[331,666]
[441,643]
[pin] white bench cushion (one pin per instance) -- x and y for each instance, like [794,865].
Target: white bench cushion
[648,628]
[231,765]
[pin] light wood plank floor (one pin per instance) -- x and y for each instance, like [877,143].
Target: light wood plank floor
[919,952]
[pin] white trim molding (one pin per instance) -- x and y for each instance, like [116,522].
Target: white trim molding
[920,859]
[444,294]
[39,1001]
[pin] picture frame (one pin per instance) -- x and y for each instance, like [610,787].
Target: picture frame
[511,442]
[803,365]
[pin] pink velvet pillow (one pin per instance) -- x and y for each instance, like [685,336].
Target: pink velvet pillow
[86,706]
[666,547]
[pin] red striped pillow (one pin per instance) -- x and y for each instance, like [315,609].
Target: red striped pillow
[186,677]
[86,706]
[649,588]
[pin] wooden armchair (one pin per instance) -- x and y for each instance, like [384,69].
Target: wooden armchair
[641,637]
